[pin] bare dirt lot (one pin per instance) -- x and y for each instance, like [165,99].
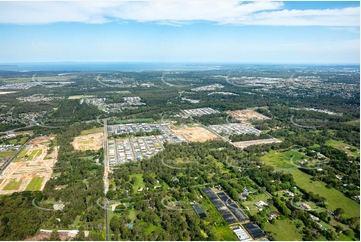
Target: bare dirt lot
[3,93]
[195,134]
[32,164]
[89,142]
[244,144]
[243,115]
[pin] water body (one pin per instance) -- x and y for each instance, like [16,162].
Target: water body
[112,66]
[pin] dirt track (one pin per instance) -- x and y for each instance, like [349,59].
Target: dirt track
[196,134]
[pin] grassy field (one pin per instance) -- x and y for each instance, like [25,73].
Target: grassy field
[251,204]
[354,122]
[1,180]
[18,80]
[136,120]
[150,229]
[35,184]
[80,97]
[34,153]
[132,215]
[282,160]
[91,131]
[222,232]
[334,198]
[283,230]
[340,145]
[21,156]
[12,185]
[138,183]
[23,153]
[7,153]
[120,92]
[15,141]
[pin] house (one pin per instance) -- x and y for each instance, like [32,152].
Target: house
[338,177]
[290,193]
[306,206]
[319,155]
[273,215]
[261,204]
[314,218]
[247,190]
[59,206]
[243,196]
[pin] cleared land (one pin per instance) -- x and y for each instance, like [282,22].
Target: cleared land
[244,115]
[283,230]
[244,144]
[334,198]
[3,93]
[80,97]
[35,184]
[195,134]
[89,142]
[14,184]
[343,146]
[92,131]
[19,176]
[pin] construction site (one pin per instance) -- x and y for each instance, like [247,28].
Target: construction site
[31,168]
[243,115]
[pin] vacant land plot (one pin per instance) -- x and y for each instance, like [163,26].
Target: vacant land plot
[343,146]
[282,160]
[334,198]
[243,115]
[14,184]
[244,144]
[35,184]
[31,163]
[7,154]
[283,230]
[126,121]
[138,182]
[93,141]
[80,97]
[3,93]
[92,131]
[195,134]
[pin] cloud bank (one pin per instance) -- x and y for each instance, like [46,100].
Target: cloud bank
[175,13]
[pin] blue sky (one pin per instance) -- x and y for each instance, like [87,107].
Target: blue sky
[186,31]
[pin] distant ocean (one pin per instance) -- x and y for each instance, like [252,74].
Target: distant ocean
[111,66]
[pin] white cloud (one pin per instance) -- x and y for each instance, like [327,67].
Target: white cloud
[175,13]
